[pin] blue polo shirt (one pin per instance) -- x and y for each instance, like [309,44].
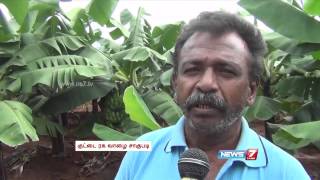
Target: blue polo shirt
[168,143]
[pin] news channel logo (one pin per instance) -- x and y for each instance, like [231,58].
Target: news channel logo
[249,154]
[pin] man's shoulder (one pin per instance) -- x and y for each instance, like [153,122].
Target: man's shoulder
[145,164]
[157,135]
[274,151]
[158,140]
[280,160]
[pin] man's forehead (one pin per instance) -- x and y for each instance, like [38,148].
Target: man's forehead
[228,40]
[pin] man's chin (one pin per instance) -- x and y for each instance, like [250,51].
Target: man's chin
[205,125]
[209,125]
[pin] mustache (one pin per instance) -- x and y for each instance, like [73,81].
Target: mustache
[209,99]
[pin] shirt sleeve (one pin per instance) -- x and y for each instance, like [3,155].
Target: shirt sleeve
[124,172]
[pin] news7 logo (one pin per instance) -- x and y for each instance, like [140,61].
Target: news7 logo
[250,154]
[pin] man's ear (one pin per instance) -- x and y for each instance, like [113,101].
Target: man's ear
[253,86]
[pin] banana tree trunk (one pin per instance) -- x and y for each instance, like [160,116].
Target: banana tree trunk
[3,172]
[95,105]
[58,148]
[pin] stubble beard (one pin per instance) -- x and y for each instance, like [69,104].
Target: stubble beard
[217,127]
[229,115]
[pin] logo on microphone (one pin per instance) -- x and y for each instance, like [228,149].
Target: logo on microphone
[250,154]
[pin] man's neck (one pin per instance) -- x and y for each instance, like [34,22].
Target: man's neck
[212,143]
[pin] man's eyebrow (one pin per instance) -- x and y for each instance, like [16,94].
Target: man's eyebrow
[192,62]
[220,62]
[231,64]
[228,63]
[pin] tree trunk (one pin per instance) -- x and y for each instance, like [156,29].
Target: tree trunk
[58,148]
[95,105]
[3,172]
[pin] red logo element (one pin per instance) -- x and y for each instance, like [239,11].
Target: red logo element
[251,154]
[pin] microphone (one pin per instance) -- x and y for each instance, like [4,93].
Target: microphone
[193,164]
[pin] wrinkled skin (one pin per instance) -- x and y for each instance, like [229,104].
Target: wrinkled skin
[212,87]
[217,67]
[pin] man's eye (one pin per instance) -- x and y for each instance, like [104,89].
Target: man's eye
[191,70]
[228,72]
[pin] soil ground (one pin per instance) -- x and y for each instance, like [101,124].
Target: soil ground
[44,166]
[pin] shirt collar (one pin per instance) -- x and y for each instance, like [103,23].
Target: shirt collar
[177,136]
[251,140]
[248,140]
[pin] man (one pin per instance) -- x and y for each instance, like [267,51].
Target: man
[217,64]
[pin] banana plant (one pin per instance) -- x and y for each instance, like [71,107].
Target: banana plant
[47,66]
[292,69]
[142,69]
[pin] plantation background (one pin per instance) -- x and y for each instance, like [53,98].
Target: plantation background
[82,74]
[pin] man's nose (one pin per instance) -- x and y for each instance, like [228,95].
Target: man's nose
[208,81]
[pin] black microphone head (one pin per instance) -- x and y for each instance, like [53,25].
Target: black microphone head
[193,163]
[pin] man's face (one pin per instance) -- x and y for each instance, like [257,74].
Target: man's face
[212,81]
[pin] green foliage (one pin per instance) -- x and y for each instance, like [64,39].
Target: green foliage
[48,62]
[140,31]
[162,104]
[49,66]
[138,110]
[292,46]
[101,10]
[165,36]
[292,71]
[307,112]
[166,77]
[55,72]
[263,109]
[297,135]
[77,94]
[7,29]
[119,31]
[137,54]
[275,14]
[45,65]
[108,134]
[47,127]
[312,7]
[139,63]
[15,124]
[18,8]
